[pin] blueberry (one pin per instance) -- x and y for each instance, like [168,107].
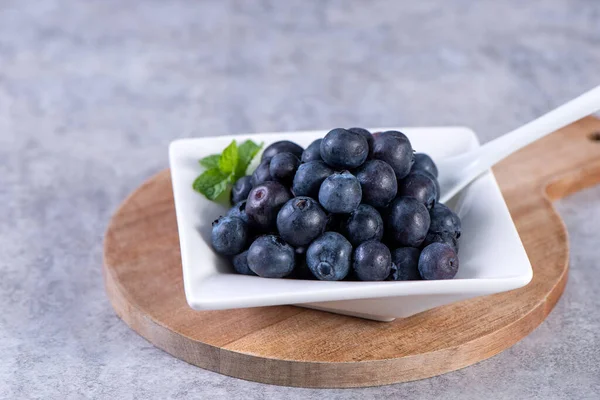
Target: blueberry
[229,235]
[433,178]
[438,261]
[283,167]
[270,256]
[444,219]
[445,227]
[372,261]
[239,211]
[300,221]
[419,186]
[263,204]
[424,163]
[405,264]
[378,183]
[363,224]
[309,178]
[364,133]
[312,152]
[344,149]
[328,257]
[340,193]
[407,222]
[448,238]
[395,149]
[262,173]
[280,147]
[240,189]
[240,264]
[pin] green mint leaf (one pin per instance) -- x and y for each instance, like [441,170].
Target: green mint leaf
[246,153]
[211,161]
[229,158]
[211,183]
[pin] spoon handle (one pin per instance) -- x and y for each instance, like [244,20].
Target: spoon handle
[457,172]
[496,150]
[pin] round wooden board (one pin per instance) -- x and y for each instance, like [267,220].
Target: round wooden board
[301,347]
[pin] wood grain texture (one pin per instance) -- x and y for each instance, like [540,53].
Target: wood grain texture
[301,347]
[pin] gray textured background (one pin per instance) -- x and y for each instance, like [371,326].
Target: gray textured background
[91,93]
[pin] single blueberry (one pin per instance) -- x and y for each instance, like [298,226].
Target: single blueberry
[312,152]
[433,178]
[405,264]
[394,148]
[363,224]
[262,173]
[283,167]
[448,238]
[340,193]
[240,264]
[229,235]
[328,257]
[344,149]
[300,221]
[240,189]
[365,133]
[444,219]
[424,163]
[438,261]
[309,178]
[372,261]
[239,211]
[270,256]
[407,222]
[419,186]
[263,204]
[378,183]
[280,147]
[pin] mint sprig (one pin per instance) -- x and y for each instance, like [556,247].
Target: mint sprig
[211,183]
[225,168]
[229,158]
[246,153]
[210,161]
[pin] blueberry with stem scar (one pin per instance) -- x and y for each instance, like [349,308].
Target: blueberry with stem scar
[438,261]
[300,221]
[263,204]
[328,257]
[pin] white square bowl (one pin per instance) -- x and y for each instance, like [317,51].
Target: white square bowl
[492,258]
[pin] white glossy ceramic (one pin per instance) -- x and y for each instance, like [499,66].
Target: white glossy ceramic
[492,257]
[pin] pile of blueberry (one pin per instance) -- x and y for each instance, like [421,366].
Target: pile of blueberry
[353,205]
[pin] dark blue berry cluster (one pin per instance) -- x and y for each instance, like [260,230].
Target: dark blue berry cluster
[352,205]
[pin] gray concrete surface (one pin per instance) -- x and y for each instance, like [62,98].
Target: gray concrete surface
[91,93]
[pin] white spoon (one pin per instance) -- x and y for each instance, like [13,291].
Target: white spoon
[457,172]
